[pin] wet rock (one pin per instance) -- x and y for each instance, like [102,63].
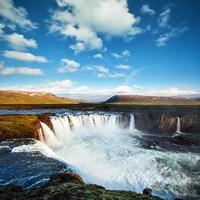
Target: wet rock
[167,124]
[46,119]
[13,188]
[70,186]
[65,177]
[181,140]
[147,191]
[95,187]
[147,121]
[4,150]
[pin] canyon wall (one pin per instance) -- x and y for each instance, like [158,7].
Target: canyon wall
[151,119]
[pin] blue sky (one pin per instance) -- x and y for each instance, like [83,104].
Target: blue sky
[94,49]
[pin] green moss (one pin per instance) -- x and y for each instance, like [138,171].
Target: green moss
[73,191]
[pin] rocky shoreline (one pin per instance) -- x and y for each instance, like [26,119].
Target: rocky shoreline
[70,186]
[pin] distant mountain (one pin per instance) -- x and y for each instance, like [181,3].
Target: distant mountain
[24,97]
[152,100]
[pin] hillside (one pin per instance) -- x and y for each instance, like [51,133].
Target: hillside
[151,100]
[23,97]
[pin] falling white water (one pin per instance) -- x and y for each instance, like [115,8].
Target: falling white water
[47,135]
[178,126]
[107,152]
[132,122]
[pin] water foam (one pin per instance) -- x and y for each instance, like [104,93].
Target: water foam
[107,152]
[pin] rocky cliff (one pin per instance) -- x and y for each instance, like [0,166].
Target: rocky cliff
[166,121]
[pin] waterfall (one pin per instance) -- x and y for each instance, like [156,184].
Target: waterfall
[103,148]
[47,135]
[67,125]
[178,126]
[132,122]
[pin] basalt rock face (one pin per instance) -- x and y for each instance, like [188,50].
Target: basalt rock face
[190,122]
[45,118]
[69,186]
[166,122]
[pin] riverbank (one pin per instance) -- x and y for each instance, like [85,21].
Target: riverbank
[68,185]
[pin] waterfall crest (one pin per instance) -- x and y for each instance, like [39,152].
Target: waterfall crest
[66,125]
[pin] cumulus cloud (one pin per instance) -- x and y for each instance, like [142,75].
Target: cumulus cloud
[122,54]
[19,70]
[147,10]
[24,56]
[19,42]
[61,83]
[127,67]
[15,15]
[174,32]
[98,55]
[164,17]
[69,66]
[86,20]
[174,91]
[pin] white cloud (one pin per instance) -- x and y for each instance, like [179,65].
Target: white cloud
[163,39]
[164,17]
[116,75]
[116,55]
[123,67]
[98,55]
[2,26]
[24,56]
[95,93]
[59,87]
[147,10]
[17,16]
[69,66]
[84,20]
[124,53]
[174,91]
[102,69]
[19,42]
[103,72]
[20,70]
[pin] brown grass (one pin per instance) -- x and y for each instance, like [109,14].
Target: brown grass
[18,126]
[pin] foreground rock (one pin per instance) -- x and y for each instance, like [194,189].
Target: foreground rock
[69,186]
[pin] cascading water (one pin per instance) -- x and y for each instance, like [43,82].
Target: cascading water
[105,150]
[178,127]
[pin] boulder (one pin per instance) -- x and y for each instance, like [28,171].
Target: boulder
[147,191]
[63,177]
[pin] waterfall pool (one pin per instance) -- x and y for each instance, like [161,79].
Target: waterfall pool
[105,149]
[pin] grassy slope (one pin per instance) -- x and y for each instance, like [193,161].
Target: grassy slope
[11,97]
[17,126]
[145,100]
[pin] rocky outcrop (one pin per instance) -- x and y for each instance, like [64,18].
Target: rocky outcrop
[165,122]
[69,186]
[22,126]
[45,118]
